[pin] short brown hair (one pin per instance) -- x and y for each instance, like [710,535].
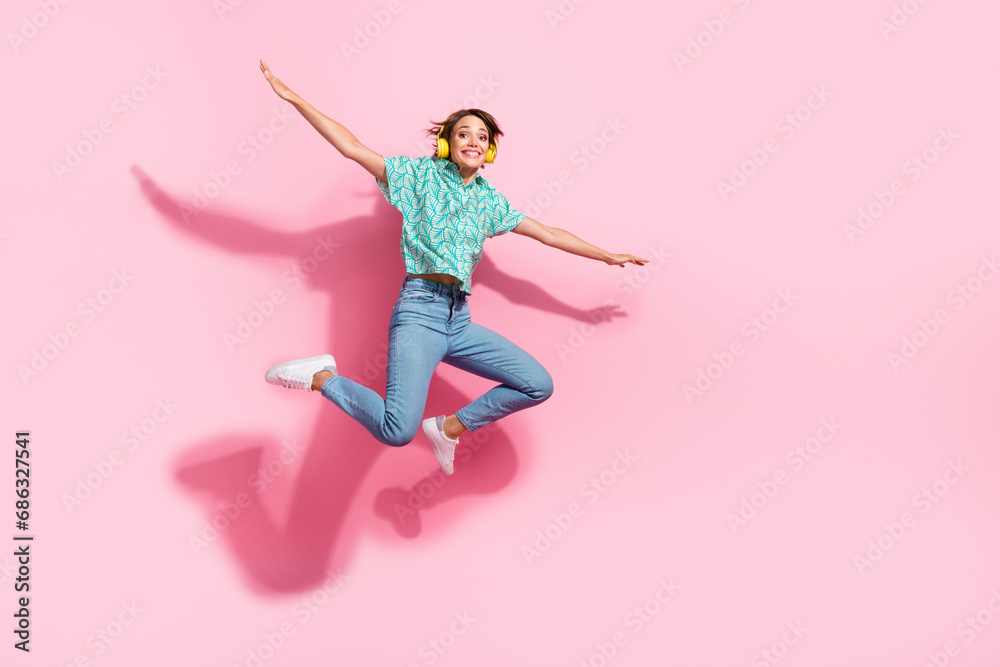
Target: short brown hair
[492,128]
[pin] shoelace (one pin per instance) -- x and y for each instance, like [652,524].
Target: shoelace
[293,383]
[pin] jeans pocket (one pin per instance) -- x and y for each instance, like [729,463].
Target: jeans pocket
[416,295]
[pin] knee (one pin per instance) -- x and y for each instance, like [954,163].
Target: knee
[541,386]
[398,438]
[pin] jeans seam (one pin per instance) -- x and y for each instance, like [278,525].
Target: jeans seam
[345,399]
[460,421]
[489,416]
[497,368]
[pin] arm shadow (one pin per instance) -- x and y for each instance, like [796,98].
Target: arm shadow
[524,292]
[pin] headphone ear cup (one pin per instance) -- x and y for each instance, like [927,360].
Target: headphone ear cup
[491,153]
[442,148]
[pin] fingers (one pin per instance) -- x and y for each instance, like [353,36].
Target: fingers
[622,260]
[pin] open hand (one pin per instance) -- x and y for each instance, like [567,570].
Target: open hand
[622,260]
[283,91]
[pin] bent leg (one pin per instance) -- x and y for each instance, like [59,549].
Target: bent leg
[524,381]
[415,350]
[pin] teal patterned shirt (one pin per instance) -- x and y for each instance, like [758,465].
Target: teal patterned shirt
[445,222]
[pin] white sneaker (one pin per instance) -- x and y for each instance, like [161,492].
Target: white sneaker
[298,374]
[444,447]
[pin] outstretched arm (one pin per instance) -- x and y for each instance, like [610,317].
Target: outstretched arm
[332,131]
[563,240]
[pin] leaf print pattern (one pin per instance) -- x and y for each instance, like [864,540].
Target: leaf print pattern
[445,222]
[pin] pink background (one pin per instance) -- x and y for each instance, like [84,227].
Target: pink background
[837,559]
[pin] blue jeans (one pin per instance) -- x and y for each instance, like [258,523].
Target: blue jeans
[431,323]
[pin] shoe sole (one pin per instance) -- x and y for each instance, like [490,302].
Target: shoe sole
[430,427]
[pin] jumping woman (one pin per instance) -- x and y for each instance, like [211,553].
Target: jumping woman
[449,211]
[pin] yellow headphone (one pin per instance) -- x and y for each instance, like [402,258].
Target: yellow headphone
[443,149]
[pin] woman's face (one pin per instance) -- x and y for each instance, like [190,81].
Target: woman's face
[469,142]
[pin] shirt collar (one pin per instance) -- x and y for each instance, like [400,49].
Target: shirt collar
[449,167]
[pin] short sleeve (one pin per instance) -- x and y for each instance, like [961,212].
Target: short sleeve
[505,217]
[401,174]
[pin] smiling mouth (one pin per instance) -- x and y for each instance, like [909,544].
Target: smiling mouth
[471,154]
